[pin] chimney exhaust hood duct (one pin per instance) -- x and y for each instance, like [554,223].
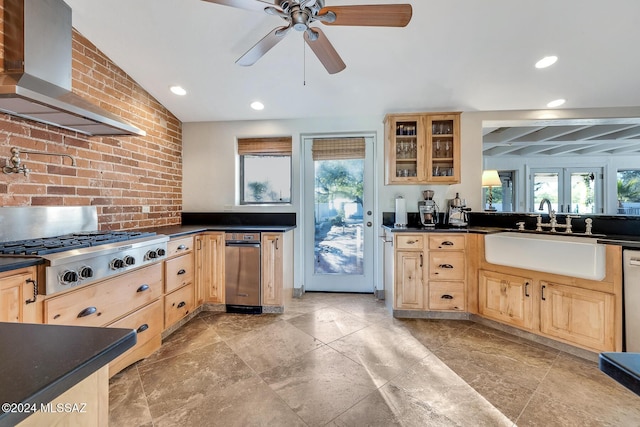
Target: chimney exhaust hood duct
[36,81]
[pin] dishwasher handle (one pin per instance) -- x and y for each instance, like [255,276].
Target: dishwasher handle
[242,244]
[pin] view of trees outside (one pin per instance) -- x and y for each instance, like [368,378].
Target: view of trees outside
[629,192]
[267,179]
[338,216]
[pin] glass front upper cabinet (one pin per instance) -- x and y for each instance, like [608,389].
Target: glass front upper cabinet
[422,148]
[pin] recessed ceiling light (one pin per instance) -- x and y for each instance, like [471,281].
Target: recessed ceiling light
[556,103]
[547,61]
[257,105]
[178,90]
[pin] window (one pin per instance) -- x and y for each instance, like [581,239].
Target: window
[629,192]
[265,170]
[503,197]
[572,190]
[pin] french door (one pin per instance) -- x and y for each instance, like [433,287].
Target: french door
[338,213]
[570,190]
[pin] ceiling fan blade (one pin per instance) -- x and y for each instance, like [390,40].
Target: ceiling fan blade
[257,5]
[372,15]
[325,52]
[259,49]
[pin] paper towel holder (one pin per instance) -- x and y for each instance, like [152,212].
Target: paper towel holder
[401,213]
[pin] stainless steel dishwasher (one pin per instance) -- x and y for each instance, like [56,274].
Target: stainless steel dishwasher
[242,273]
[631,272]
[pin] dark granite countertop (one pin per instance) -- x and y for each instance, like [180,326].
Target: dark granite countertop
[14,262]
[40,362]
[444,229]
[622,367]
[184,230]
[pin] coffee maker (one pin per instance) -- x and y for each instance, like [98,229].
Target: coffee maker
[428,209]
[457,212]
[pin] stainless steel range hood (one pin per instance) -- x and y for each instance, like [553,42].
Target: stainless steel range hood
[36,81]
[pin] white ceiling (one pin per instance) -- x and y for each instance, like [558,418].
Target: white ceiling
[455,55]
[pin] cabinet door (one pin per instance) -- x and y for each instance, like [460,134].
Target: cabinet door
[409,286]
[18,294]
[272,270]
[506,298]
[405,149]
[443,148]
[210,268]
[580,316]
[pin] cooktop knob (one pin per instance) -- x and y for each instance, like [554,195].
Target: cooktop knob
[86,272]
[151,255]
[161,252]
[68,277]
[129,260]
[117,263]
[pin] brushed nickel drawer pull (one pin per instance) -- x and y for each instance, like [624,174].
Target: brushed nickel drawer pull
[182,304]
[447,243]
[142,328]
[411,242]
[445,296]
[182,247]
[181,271]
[87,311]
[445,266]
[143,288]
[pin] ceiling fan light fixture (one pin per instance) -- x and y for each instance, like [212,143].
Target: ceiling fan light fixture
[257,105]
[547,61]
[556,103]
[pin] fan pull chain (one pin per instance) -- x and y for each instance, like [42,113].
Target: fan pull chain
[304,63]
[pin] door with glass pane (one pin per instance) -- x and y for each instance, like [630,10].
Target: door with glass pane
[572,190]
[338,213]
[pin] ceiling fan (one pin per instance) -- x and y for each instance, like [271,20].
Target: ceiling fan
[299,14]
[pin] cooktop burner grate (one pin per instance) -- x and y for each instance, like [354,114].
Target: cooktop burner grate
[67,242]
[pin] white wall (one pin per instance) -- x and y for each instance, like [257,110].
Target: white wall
[209,162]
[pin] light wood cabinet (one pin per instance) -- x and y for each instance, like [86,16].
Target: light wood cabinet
[103,302]
[272,268]
[90,394]
[131,300]
[180,289]
[430,271]
[209,257]
[422,148]
[506,298]
[19,300]
[409,279]
[447,272]
[582,316]
[178,304]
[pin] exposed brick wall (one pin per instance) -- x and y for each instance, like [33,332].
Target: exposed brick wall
[117,174]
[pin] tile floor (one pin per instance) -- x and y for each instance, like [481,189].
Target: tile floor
[342,360]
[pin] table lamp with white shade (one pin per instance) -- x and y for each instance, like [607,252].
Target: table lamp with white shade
[490,179]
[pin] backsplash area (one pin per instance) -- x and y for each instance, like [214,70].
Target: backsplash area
[117,175]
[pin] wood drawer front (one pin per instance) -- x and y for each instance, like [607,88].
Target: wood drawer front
[446,265]
[447,242]
[446,296]
[178,304]
[179,246]
[178,272]
[147,322]
[409,242]
[106,301]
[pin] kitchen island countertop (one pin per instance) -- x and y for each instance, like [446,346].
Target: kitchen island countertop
[40,362]
[14,262]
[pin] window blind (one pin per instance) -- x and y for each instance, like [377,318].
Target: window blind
[277,146]
[337,148]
